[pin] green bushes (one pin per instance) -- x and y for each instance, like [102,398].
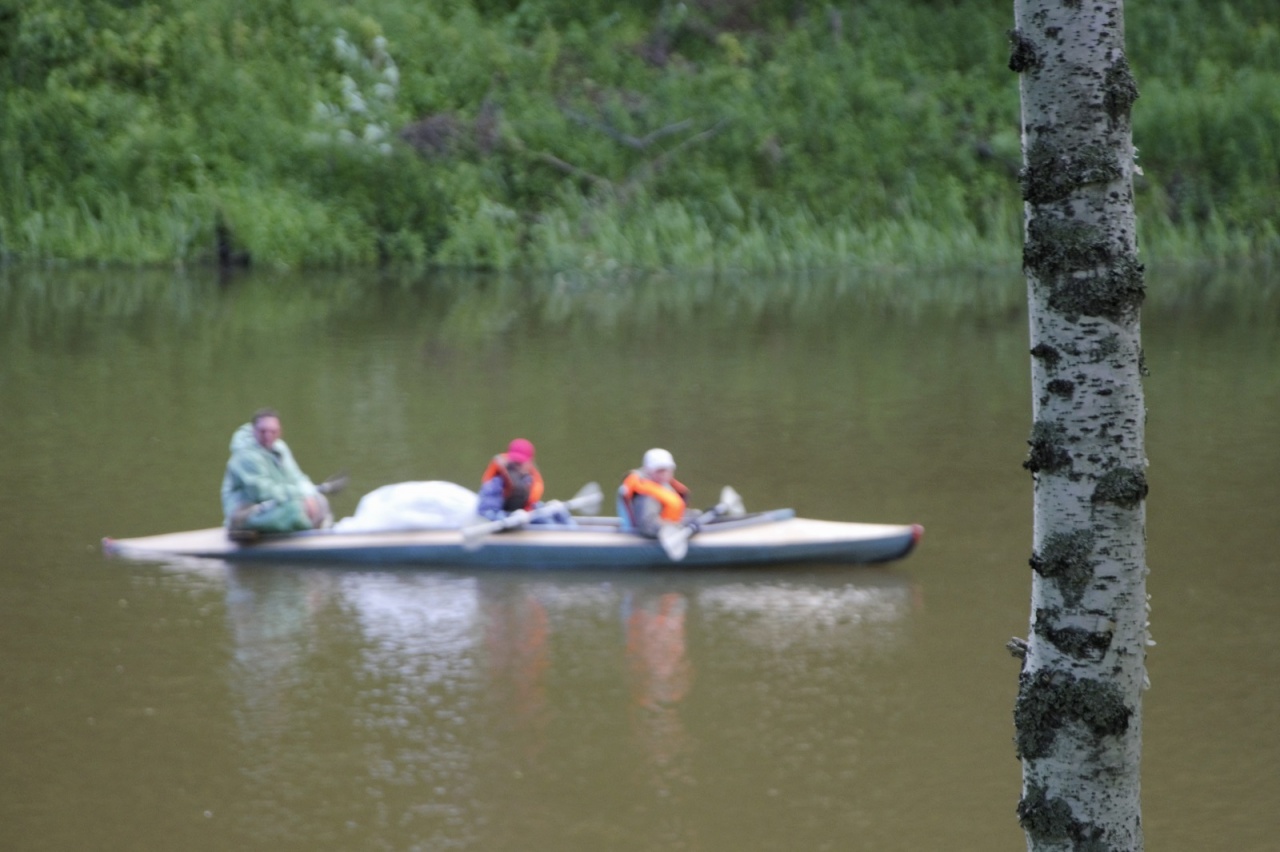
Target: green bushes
[737,134]
[1206,126]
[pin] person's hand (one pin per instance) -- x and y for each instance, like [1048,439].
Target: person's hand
[693,525]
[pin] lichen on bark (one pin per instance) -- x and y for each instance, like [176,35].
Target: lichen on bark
[1047,354]
[1061,387]
[1107,347]
[1048,452]
[1075,642]
[1085,275]
[1126,288]
[1068,559]
[1121,90]
[1055,247]
[1023,55]
[1046,817]
[1051,820]
[1049,700]
[1052,175]
[1124,487]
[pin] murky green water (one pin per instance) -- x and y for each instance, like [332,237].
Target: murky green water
[202,707]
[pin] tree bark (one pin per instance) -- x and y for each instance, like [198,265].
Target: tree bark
[1078,718]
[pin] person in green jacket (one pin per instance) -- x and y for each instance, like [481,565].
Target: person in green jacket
[263,489]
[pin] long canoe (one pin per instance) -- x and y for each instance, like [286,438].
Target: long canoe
[757,539]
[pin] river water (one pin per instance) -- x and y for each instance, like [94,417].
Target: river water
[198,706]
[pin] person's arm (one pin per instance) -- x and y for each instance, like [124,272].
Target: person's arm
[258,477]
[490,503]
[233,496]
[648,515]
[254,480]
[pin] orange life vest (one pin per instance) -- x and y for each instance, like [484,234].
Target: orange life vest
[673,498]
[514,495]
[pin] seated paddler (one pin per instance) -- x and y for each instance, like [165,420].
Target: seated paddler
[652,496]
[263,489]
[513,483]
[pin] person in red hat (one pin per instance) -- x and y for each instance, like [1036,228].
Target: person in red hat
[511,482]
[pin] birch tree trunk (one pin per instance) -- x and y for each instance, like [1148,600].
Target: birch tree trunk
[1078,712]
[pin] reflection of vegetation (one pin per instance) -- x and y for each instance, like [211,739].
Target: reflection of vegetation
[54,307]
[714,136]
[458,309]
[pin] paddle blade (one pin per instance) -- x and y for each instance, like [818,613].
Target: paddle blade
[333,484]
[587,500]
[730,503]
[674,540]
[473,536]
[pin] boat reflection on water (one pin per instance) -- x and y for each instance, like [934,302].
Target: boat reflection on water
[517,646]
[432,708]
[776,617]
[660,676]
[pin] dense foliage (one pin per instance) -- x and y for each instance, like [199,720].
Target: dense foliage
[579,134]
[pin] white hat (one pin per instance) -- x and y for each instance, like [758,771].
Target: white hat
[658,459]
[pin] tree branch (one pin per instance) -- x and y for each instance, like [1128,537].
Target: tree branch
[638,143]
[559,164]
[658,163]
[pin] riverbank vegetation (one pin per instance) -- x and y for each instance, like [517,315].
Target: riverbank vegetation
[754,135]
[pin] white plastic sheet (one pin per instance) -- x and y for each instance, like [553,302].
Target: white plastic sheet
[431,505]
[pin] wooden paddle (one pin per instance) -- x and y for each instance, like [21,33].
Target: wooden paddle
[333,484]
[674,538]
[587,499]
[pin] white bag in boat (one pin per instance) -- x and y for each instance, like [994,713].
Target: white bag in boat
[431,505]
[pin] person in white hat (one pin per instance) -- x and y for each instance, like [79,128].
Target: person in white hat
[651,495]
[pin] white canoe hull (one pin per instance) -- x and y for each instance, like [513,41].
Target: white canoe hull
[770,537]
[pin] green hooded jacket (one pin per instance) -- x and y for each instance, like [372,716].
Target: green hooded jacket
[256,475]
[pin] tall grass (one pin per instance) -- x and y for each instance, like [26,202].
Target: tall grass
[557,135]
[668,235]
